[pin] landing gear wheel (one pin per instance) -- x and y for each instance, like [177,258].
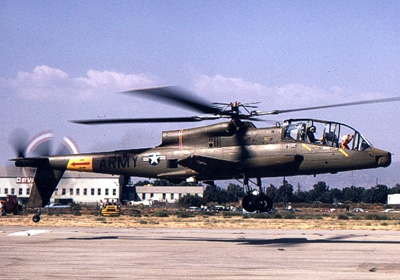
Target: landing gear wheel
[263,203]
[249,203]
[36,218]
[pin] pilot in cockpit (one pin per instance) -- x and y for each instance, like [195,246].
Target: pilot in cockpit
[346,139]
[310,134]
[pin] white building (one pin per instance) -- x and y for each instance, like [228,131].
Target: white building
[82,187]
[168,194]
[393,198]
[78,187]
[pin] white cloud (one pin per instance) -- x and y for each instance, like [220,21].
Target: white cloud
[46,82]
[292,95]
[225,88]
[109,82]
[42,82]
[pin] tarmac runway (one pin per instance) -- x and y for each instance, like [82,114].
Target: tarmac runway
[129,253]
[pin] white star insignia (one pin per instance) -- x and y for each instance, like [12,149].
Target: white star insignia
[154,159]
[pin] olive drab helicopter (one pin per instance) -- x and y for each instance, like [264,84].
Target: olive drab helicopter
[232,149]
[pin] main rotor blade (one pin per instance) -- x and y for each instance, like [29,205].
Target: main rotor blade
[147,120]
[275,112]
[173,94]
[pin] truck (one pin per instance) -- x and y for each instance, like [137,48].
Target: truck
[110,207]
[10,204]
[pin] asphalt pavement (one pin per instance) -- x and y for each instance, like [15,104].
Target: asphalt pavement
[131,253]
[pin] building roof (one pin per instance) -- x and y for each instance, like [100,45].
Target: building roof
[169,189]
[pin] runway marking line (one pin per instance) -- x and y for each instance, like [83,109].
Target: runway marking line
[28,232]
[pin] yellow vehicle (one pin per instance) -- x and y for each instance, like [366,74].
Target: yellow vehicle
[110,207]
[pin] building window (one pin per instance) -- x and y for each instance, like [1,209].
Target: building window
[114,191]
[77,191]
[28,191]
[92,191]
[106,191]
[20,191]
[98,191]
[172,196]
[164,196]
[84,191]
[152,195]
[12,191]
[64,192]
[71,191]
[6,190]
[143,195]
[180,196]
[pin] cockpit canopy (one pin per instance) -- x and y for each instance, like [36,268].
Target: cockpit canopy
[324,133]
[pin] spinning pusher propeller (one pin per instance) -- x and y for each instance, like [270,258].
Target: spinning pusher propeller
[18,139]
[40,144]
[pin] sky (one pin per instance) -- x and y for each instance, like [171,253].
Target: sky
[67,60]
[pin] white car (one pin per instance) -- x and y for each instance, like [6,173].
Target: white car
[141,202]
[57,206]
[390,211]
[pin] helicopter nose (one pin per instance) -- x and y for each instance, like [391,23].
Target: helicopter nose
[383,158]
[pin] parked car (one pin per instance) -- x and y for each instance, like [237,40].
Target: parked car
[390,211]
[359,210]
[217,208]
[57,206]
[140,202]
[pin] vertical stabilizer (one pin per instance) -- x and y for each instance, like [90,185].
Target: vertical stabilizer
[46,181]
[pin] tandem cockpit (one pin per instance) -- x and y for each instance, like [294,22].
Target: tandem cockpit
[324,133]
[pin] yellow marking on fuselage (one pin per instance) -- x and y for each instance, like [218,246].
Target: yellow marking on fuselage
[80,164]
[306,147]
[344,153]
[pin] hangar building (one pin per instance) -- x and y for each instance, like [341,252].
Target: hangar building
[82,187]
[75,187]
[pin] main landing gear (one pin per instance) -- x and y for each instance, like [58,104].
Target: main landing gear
[255,200]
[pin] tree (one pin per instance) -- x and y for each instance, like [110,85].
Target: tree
[143,183]
[271,192]
[285,192]
[301,196]
[336,195]
[381,193]
[234,193]
[190,200]
[213,193]
[353,194]
[320,192]
[395,189]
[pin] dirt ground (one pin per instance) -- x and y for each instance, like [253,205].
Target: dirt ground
[327,221]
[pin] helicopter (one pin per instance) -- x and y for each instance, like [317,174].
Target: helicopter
[231,149]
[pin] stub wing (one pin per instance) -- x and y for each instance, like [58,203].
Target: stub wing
[208,167]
